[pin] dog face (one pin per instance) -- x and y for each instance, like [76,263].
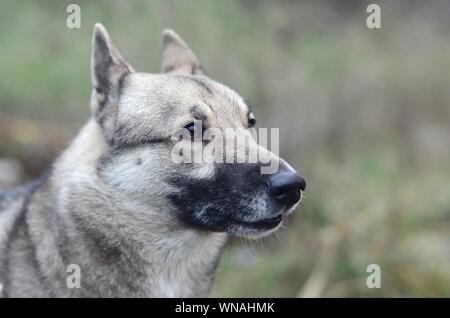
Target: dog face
[140,114]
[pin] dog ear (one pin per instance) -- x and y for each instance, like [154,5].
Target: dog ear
[108,70]
[177,57]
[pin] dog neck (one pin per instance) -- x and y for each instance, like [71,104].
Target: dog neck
[118,254]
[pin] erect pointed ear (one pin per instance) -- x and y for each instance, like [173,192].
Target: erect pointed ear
[177,57]
[108,70]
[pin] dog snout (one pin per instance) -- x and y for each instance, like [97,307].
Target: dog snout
[286,186]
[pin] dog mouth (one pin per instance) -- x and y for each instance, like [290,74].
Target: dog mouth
[263,224]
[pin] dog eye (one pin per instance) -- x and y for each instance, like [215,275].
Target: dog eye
[193,129]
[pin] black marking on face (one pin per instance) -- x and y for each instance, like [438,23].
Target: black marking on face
[215,204]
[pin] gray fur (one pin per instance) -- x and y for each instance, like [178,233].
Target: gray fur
[104,206]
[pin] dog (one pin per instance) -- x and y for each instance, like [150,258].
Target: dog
[117,207]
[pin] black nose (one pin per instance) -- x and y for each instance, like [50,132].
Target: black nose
[286,186]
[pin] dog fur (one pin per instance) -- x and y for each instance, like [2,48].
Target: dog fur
[114,203]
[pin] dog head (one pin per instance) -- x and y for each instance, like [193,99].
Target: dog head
[148,122]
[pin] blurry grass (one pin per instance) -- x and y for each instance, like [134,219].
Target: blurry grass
[363,114]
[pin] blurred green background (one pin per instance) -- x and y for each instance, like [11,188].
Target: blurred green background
[363,114]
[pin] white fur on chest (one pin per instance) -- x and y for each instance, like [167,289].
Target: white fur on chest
[188,263]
